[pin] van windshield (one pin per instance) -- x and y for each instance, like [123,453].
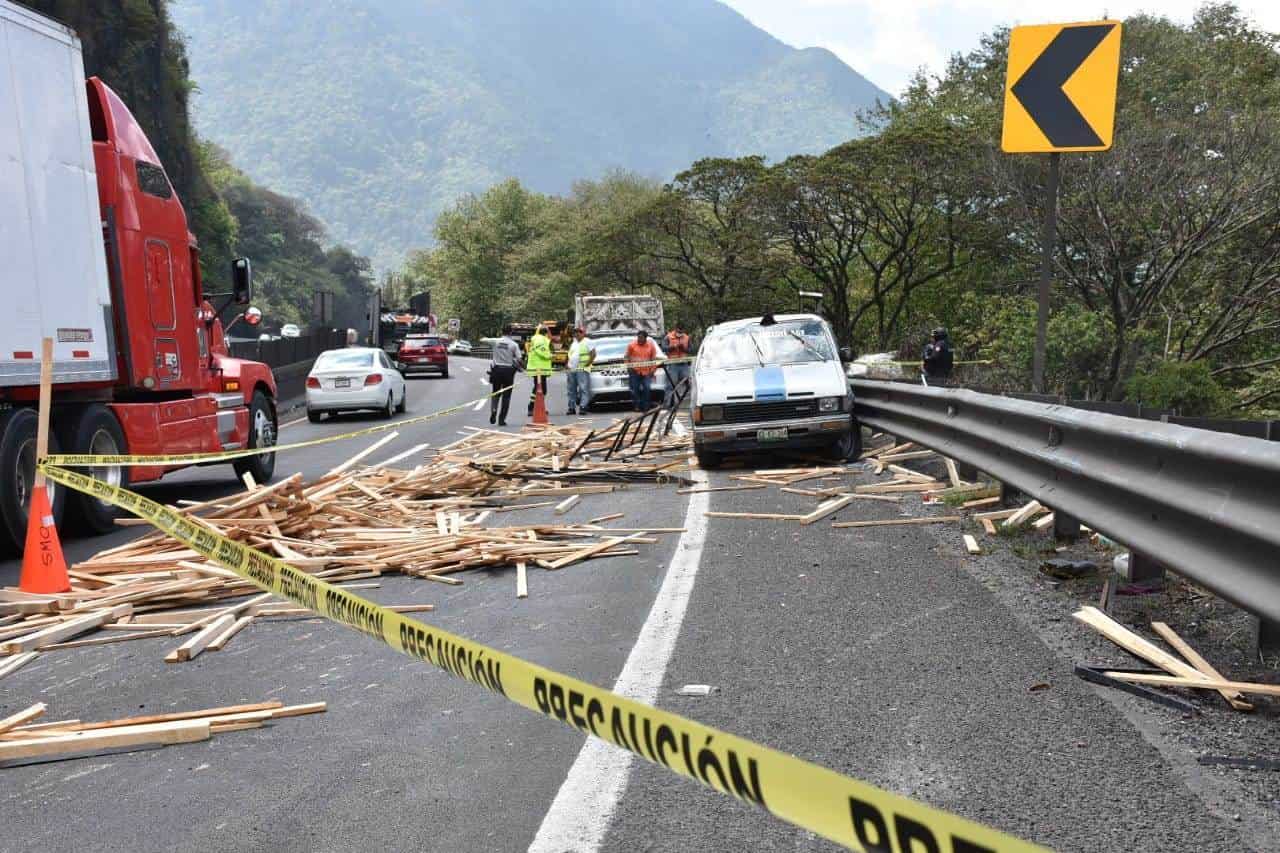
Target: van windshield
[787,342]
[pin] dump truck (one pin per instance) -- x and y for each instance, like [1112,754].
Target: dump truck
[98,257]
[619,314]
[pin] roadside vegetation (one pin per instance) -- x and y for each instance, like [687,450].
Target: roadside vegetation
[1167,270]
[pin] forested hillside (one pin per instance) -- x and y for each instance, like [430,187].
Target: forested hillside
[380,114]
[1168,263]
[135,48]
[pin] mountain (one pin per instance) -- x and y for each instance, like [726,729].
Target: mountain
[380,114]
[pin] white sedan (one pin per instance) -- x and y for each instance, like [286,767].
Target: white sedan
[347,380]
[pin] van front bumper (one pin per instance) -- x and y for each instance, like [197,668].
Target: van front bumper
[801,432]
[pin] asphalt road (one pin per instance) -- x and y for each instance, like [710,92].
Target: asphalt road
[870,651]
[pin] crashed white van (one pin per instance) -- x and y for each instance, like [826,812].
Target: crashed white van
[772,382]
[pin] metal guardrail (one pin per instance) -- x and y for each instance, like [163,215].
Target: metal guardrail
[1205,504]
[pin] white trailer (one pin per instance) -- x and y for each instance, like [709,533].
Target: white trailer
[54,273]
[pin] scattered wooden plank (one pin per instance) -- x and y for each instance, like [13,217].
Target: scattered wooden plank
[351,461]
[23,717]
[1234,698]
[988,525]
[953,473]
[70,628]
[181,731]
[826,509]
[194,646]
[522,580]
[613,516]
[1043,521]
[1197,683]
[763,516]
[702,490]
[980,502]
[16,663]
[936,519]
[1024,514]
[971,544]
[567,504]
[878,488]
[1135,644]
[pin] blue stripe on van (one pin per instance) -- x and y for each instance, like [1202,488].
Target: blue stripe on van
[770,383]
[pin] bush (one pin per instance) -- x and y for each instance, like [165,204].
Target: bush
[1185,386]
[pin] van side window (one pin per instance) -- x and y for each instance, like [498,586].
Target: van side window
[152,181]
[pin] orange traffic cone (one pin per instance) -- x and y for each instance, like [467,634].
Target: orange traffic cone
[539,404]
[44,569]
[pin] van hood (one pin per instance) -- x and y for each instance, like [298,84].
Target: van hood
[771,383]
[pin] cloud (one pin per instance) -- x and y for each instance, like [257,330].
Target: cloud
[888,40]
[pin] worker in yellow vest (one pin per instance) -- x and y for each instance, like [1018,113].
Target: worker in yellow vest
[538,363]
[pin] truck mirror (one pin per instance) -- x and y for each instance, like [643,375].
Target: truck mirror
[846,354]
[241,281]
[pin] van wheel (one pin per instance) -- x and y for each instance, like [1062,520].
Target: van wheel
[262,433]
[18,470]
[95,430]
[709,459]
[849,447]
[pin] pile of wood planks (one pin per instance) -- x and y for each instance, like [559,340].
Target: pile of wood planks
[1191,671]
[25,742]
[357,522]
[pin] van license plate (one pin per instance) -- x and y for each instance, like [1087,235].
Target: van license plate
[342,382]
[779,434]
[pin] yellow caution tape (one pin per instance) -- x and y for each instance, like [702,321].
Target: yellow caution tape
[89,460]
[844,810]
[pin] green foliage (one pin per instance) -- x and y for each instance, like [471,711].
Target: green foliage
[1185,387]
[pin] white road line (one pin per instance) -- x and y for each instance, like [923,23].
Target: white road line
[291,423]
[581,813]
[484,381]
[479,405]
[464,367]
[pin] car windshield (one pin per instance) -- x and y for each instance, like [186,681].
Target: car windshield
[610,349]
[338,359]
[421,341]
[787,342]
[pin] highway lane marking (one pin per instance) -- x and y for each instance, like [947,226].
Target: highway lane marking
[292,422]
[479,405]
[464,367]
[583,808]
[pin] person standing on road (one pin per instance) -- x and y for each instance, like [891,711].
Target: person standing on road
[939,359]
[581,356]
[503,365]
[538,363]
[641,355]
[677,348]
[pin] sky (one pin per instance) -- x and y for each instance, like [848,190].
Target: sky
[889,40]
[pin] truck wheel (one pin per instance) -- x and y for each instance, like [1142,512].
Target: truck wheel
[262,433]
[709,459]
[17,473]
[94,429]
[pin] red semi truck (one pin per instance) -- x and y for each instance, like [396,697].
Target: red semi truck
[97,256]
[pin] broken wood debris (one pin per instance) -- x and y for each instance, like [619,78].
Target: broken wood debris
[360,520]
[34,743]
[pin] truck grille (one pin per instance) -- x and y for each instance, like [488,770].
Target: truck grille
[737,413]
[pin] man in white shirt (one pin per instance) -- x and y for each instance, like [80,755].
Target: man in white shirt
[503,365]
[581,356]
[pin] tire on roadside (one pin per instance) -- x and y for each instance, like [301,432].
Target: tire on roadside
[17,474]
[262,433]
[95,430]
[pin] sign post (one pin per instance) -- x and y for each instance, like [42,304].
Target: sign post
[1060,95]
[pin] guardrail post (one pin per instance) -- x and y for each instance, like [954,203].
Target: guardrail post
[1143,568]
[1066,528]
[1268,636]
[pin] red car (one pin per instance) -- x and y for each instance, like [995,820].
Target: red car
[425,353]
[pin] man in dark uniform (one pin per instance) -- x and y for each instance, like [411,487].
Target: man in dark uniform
[938,357]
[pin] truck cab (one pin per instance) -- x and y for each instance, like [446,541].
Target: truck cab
[102,262]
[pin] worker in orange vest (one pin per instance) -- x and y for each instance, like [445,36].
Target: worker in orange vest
[677,342]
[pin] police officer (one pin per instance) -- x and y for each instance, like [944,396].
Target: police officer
[938,357]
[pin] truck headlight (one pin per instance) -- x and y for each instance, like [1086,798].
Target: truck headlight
[830,404]
[710,414]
